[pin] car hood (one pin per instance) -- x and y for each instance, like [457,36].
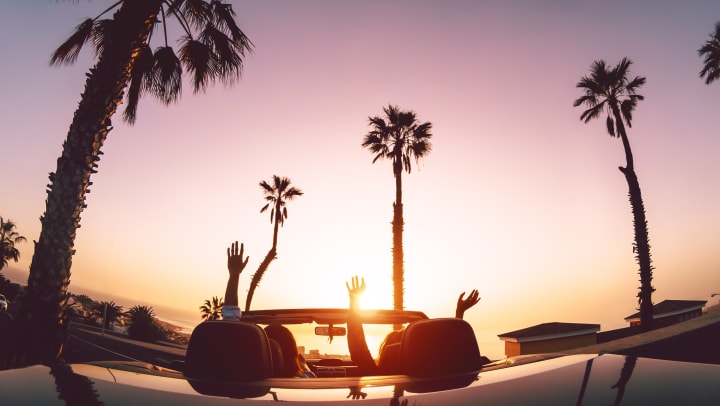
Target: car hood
[577,379]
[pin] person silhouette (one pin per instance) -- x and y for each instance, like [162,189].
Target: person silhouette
[235,265]
[359,352]
[293,363]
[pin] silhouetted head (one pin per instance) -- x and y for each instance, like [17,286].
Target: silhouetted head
[288,347]
[393,337]
[389,353]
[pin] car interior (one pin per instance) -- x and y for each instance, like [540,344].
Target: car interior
[241,351]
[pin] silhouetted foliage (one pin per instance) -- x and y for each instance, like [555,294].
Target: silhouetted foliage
[12,291]
[111,311]
[8,238]
[608,90]
[400,138]
[711,52]
[277,193]
[212,48]
[143,325]
[211,309]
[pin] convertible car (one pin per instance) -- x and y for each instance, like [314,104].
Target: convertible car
[440,364]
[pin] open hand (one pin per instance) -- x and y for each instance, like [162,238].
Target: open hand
[236,264]
[464,304]
[356,289]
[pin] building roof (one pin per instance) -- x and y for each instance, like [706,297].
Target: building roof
[549,331]
[670,308]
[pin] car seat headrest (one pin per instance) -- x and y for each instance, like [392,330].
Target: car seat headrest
[228,351]
[439,347]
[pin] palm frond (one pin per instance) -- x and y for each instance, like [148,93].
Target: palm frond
[635,84]
[592,113]
[626,108]
[196,57]
[141,68]
[226,63]
[266,186]
[166,76]
[68,52]
[102,32]
[610,123]
[711,52]
[196,12]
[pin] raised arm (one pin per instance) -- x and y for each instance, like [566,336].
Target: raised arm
[359,352]
[464,304]
[235,265]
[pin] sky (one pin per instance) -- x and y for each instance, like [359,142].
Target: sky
[518,198]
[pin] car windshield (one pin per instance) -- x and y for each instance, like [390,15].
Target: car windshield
[312,327]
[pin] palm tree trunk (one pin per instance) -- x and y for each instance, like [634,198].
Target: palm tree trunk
[642,239]
[397,250]
[278,217]
[642,250]
[255,281]
[50,268]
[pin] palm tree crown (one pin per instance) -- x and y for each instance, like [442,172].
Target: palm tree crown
[711,52]
[399,139]
[212,309]
[609,90]
[8,238]
[212,48]
[277,193]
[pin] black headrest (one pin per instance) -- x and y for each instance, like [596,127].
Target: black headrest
[228,351]
[439,347]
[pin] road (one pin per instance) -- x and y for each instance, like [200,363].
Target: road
[87,344]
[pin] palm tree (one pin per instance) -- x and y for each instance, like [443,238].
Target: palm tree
[143,324]
[711,52]
[609,90]
[277,194]
[212,48]
[211,309]
[110,311]
[399,139]
[8,238]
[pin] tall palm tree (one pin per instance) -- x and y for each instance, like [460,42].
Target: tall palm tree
[277,193]
[609,90]
[711,52]
[8,238]
[212,309]
[212,48]
[399,139]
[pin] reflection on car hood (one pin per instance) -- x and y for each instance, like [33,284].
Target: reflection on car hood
[576,379]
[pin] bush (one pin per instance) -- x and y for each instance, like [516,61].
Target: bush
[143,325]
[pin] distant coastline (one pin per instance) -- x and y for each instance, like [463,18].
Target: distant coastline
[184,319]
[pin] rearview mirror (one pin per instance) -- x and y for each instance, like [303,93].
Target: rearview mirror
[330,331]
